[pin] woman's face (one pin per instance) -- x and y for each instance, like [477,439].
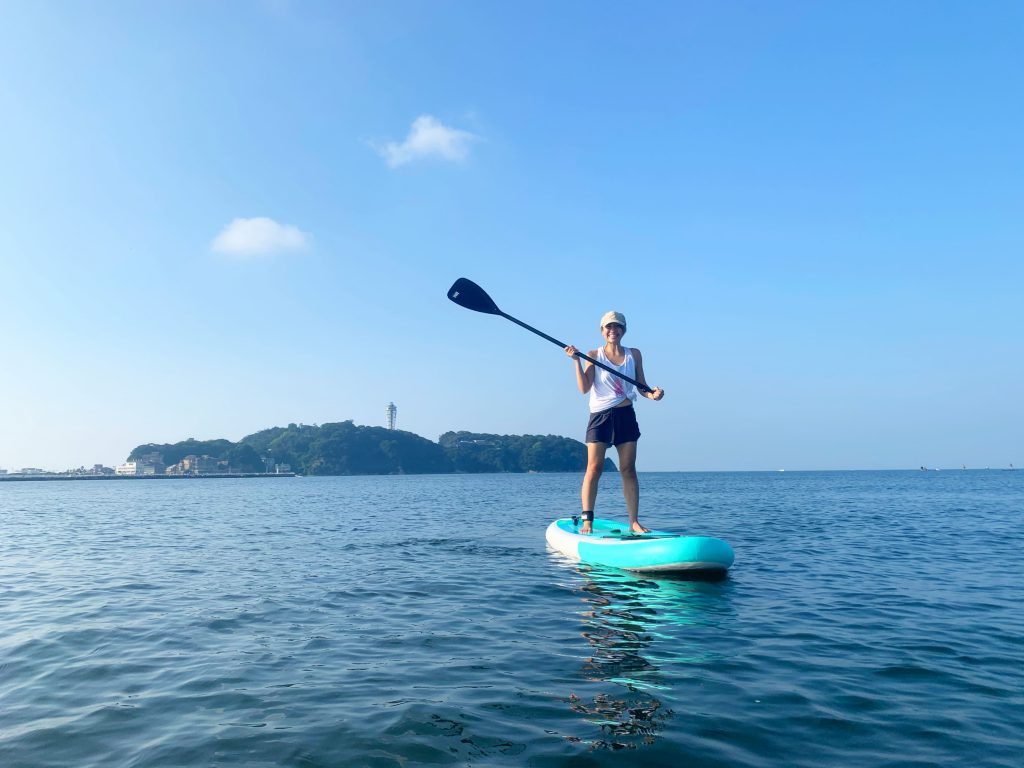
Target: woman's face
[613,332]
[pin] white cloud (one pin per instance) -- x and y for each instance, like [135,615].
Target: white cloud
[428,137]
[257,237]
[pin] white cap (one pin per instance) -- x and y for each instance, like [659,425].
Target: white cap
[613,317]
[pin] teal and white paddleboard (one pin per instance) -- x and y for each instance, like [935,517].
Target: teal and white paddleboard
[611,543]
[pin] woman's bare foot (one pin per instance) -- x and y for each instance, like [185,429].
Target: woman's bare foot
[586,527]
[637,528]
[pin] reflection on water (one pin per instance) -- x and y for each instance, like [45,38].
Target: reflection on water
[636,627]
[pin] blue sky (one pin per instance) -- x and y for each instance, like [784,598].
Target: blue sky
[219,217]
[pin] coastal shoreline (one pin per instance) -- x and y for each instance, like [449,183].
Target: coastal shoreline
[218,475]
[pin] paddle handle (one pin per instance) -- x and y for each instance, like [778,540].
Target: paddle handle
[563,345]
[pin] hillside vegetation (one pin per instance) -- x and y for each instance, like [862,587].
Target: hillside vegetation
[344,448]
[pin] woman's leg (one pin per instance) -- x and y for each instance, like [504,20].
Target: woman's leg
[595,465]
[630,485]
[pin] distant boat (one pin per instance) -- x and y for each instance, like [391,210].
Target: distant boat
[1010,469]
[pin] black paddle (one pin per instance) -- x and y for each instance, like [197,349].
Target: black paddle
[468,294]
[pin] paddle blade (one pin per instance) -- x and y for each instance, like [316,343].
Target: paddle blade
[468,294]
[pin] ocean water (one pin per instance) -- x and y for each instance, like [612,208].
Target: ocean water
[871,619]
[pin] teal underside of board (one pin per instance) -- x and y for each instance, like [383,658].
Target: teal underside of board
[653,553]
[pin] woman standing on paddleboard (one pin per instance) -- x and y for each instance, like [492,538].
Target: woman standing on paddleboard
[612,418]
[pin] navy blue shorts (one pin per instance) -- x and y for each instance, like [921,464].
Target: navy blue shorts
[613,426]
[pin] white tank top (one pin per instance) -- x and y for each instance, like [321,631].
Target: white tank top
[608,390]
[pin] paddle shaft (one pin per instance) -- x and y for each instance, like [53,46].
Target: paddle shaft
[553,340]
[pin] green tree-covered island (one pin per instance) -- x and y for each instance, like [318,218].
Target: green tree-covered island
[344,448]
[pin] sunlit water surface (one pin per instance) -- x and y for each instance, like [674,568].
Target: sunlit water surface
[871,619]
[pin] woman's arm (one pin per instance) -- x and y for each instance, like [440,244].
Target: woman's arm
[584,371]
[657,392]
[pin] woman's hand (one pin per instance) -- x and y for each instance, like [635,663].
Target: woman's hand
[657,393]
[571,351]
